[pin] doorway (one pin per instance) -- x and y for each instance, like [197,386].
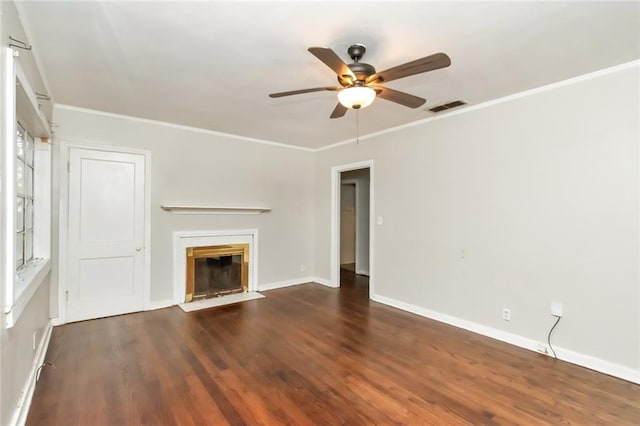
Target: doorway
[352,232]
[348,225]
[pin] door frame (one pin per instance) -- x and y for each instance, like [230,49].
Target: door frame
[63,219]
[335,221]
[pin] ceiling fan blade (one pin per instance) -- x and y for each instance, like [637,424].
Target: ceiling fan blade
[339,111]
[398,97]
[428,63]
[298,92]
[332,60]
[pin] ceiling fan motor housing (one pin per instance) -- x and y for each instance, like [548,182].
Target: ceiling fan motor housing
[360,69]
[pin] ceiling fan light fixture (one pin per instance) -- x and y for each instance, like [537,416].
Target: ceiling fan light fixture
[356,97]
[356,79]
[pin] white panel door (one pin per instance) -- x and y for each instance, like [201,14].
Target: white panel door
[106,234]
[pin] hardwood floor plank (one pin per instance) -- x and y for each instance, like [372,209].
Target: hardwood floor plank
[308,355]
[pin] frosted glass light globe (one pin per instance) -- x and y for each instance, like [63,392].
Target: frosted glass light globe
[356,97]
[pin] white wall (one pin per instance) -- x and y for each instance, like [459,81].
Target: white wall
[513,205]
[199,168]
[18,354]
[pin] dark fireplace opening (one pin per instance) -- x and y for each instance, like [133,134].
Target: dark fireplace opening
[216,270]
[217,275]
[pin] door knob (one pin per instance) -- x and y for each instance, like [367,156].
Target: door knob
[138,248]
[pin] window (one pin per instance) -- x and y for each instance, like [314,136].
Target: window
[25,190]
[24,196]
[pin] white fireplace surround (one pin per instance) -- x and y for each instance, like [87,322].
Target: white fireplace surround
[185,239]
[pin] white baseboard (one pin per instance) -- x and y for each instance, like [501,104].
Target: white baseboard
[160,304]
[583,360]
[326,282]
[285,283]
[597,364]
[362,272]
[24,403]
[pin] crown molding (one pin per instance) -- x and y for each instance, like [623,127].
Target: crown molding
[180,127]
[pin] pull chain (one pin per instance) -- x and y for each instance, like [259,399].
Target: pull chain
[358,127]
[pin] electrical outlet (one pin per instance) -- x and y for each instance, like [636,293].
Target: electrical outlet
[33,342]
[506,314]
[556,309]
[542,348]
[302,268]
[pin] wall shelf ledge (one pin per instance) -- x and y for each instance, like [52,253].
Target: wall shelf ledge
[186,209]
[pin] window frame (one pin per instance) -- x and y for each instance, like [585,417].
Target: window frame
[26,196]
[21,104]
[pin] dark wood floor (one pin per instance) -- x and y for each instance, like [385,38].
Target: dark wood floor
[310,355]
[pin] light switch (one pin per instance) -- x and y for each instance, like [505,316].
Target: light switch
[379,221]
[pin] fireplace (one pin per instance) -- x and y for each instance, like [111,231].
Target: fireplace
[216,271]
[192,242]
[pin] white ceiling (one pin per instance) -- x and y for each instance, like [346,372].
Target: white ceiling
[212,64]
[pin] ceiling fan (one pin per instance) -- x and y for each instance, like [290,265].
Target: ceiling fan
[359,82]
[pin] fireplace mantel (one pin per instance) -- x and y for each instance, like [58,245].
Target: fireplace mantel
[187,209]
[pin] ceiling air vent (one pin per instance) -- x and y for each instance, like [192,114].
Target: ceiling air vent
[447,106]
